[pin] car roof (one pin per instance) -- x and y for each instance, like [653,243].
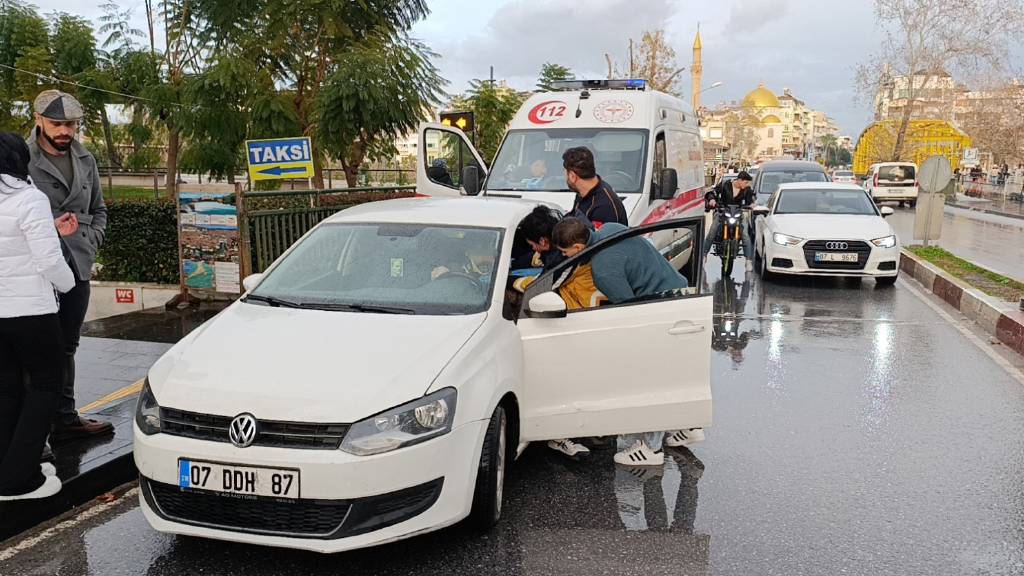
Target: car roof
[483,211]
[877,164]
[780,165]
[819,186]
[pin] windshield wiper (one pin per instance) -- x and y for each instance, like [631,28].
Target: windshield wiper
[275,302]
[359,308]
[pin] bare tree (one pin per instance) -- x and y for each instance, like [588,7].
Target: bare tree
[742,132]
[994,119]
[654,61]
[927,37]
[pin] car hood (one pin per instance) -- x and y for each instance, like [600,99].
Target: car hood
[564,200]
[307,365]
[832,226]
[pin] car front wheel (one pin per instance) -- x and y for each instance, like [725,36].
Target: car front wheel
[886,280]
[490,477]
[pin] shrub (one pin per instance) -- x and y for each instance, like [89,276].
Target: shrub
[141,243]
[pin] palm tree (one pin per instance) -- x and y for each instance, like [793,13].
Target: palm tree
[830,143]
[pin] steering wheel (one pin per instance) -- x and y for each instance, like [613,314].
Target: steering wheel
[462,275]
[626,180]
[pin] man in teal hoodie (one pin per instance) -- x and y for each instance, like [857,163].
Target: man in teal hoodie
[628,270]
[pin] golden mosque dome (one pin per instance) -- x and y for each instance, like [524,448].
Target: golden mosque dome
[761,98]
[771,119]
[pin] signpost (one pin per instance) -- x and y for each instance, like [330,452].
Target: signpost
[935,176]
[971,157]
[280,158]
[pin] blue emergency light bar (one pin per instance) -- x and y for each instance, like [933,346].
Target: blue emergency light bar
[625,84]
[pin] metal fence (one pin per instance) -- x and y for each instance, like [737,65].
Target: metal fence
[270,222]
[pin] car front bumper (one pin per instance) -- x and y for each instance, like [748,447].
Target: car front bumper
[375,499]
[881,262]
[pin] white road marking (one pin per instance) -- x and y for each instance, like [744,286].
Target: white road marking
[28,543]
[971,336]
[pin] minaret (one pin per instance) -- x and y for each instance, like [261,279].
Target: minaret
[696,70]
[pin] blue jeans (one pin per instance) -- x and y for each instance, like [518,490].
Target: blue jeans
[715,232]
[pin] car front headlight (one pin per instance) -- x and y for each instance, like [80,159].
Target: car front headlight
[147,411]
[784,240]
[886,242]
[408,424]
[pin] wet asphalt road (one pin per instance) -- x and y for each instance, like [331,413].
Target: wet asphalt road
[856,432]
[993,241]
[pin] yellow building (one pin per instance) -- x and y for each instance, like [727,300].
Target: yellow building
[924,138]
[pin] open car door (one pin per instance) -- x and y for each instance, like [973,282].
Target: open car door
[639,366]
[443,153]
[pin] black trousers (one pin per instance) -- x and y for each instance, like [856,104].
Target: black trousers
[31,345]
[73,306]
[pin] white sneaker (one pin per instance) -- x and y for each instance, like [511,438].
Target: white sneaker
[48,469]
[640,454]
[49,488]
[568,447]
[681,438]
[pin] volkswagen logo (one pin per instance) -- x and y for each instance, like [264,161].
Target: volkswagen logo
[242,431]
[836,245]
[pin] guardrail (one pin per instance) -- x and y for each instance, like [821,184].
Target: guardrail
[270,222]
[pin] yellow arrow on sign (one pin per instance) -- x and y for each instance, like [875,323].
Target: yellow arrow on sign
[461,123]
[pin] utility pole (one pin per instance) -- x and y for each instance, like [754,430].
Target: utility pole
[492,77]
[630,57]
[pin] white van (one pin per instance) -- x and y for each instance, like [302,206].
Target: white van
[893,181]
[646,145]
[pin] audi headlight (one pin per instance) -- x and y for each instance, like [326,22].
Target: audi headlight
[408,424]
[147,411]
[784,240]
[887,242]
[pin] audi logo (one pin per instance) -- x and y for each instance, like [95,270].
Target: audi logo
[242,431]
[836,245]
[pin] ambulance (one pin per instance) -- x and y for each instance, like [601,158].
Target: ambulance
[646,145]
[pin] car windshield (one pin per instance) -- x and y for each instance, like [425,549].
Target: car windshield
[896,173]
[825,202]
[770,181]
[531,160]
[386,268]
[844,173]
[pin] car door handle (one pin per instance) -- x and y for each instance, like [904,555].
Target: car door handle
[683,328]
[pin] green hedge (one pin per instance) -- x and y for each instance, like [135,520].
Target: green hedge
[141,244]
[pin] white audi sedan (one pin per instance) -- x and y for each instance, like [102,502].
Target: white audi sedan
[375,382]
[826,229]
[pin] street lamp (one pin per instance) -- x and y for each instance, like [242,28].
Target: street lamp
[715,85]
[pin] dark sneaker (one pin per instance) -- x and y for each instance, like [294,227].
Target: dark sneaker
[84,428]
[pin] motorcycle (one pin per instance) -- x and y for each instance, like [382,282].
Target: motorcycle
[727,245]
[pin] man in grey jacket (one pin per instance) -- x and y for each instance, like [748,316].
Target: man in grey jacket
[67,173]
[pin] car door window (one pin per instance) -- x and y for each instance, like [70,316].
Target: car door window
[660,161]
[576,278]
[446,155]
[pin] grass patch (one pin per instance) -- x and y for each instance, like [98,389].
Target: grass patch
[981,278]
[131,193]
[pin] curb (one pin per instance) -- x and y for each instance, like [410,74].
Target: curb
[1000,320]
[986,211]
[82,481]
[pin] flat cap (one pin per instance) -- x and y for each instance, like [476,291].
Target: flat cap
[57,105]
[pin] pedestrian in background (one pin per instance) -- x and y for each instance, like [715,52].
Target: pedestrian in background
[67,174]
[31,267]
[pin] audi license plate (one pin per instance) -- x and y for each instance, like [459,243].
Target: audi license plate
[245,480]
[835,256]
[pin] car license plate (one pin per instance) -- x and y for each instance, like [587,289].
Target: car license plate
[835,256]
[246,480]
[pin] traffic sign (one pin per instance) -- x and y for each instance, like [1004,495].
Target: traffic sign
[971,157]
[461,120]
[279,158]
[935,174]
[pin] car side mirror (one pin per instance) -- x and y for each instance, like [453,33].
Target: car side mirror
[547,305]
[251,281]
[669,184]
[760,210]
[471,180]
[887,211]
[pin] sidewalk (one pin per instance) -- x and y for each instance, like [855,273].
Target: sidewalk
[112,361]
[991,202]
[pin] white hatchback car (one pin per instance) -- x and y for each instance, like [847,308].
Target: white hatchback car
[373,384]
[826,229]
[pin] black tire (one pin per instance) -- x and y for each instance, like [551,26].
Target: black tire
[886,280]
[913,203]
[902,204]
[766,274]
[490,477]
[728,259]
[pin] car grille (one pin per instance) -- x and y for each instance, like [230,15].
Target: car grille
[861,248]
[308,518]
[324,519]
[269,432]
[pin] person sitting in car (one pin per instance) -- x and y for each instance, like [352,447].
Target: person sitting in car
[628,270]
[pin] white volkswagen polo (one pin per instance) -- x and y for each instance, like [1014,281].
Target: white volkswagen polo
[373,384]
[826,229]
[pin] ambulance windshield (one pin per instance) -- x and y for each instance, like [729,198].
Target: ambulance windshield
[531,160]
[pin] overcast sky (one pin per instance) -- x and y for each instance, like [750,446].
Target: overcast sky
[809,46]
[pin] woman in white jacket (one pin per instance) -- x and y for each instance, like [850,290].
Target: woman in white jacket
[32,267]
